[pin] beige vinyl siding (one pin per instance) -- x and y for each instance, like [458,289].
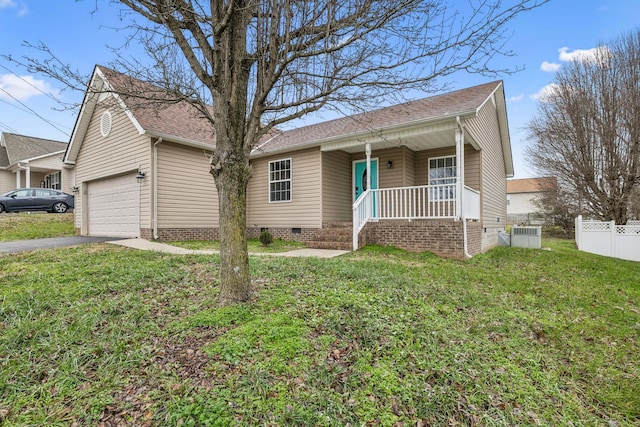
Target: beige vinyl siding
[187,195]
[304,209]
[336,186]
[35,178]
[123,151]
[485,130]
[68,180]
[53,163]
[408,167]
[7,181]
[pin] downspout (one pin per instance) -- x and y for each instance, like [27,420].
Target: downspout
[155,188]
[460,169]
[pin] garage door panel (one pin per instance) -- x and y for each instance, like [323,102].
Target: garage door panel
[113,207]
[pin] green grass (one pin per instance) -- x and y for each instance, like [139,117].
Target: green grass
[101,334]
[253,245]
[22,226]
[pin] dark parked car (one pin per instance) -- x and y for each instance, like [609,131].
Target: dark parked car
[36,199]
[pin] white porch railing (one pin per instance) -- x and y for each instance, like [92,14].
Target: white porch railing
[418,202]
[361,215]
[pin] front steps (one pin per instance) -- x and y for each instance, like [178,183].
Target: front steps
[333,235]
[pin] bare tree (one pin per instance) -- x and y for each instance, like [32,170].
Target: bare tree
[264,63]
[587,131]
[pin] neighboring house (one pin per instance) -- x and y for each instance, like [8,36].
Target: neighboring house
[26,161]
[524,197]
[438,167]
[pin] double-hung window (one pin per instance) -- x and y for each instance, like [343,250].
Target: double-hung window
[55,181]
[442,178]
[280,180]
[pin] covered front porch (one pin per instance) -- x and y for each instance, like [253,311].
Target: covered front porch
[430,173]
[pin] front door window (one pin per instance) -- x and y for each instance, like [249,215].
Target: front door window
[360,177]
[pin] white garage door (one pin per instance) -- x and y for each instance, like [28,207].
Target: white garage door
[113,207]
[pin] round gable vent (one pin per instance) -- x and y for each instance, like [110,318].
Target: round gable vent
[105,124]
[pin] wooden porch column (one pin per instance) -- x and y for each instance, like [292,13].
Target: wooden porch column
[459,167]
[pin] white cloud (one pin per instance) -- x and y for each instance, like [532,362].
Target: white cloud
[517,98]
[21,87]
[23,9]
[550,67]
[581,55]
[544,94]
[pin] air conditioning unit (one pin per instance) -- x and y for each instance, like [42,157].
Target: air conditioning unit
[526,237]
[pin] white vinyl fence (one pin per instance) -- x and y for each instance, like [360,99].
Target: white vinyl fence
[609,239]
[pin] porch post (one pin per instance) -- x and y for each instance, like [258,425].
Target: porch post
[459,168]
[368,152]
[370,204]
[18,179]
[27,179]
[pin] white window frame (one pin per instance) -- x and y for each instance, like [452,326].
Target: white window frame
[440,193]
[55,180]
[280,180]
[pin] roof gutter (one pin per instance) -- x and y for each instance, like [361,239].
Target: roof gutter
[182,141]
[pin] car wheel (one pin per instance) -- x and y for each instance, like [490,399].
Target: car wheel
[1,208]
[59,207]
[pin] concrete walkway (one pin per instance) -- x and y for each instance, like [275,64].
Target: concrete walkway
[147,245]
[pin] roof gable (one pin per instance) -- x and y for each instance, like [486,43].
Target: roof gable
[17,148]
[177,121]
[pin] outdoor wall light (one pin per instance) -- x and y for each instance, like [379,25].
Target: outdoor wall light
[75,189]
[140,176]
[389,164]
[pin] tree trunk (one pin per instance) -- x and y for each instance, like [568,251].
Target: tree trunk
[230,164]
[235,280]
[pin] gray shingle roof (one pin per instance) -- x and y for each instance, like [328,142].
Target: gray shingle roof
[181,120]
[22,147]
[448,104]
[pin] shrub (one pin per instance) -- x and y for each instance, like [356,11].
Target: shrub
[266,238]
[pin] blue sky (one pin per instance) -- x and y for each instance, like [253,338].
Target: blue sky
[542,41]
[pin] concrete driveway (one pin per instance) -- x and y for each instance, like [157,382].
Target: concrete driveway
[54,242]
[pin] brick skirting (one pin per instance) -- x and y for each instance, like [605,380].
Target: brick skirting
[302,235]
[173,234]
[444,238]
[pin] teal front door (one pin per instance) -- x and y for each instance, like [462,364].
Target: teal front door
[360,177]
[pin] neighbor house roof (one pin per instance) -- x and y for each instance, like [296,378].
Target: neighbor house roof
[457,103]
[530,185]
[16,148]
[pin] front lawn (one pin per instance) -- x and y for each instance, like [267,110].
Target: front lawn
[103,335]
[22,226]
[253,245]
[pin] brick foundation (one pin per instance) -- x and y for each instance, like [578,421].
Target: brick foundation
[444,238]
[172,234]
[305,234]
